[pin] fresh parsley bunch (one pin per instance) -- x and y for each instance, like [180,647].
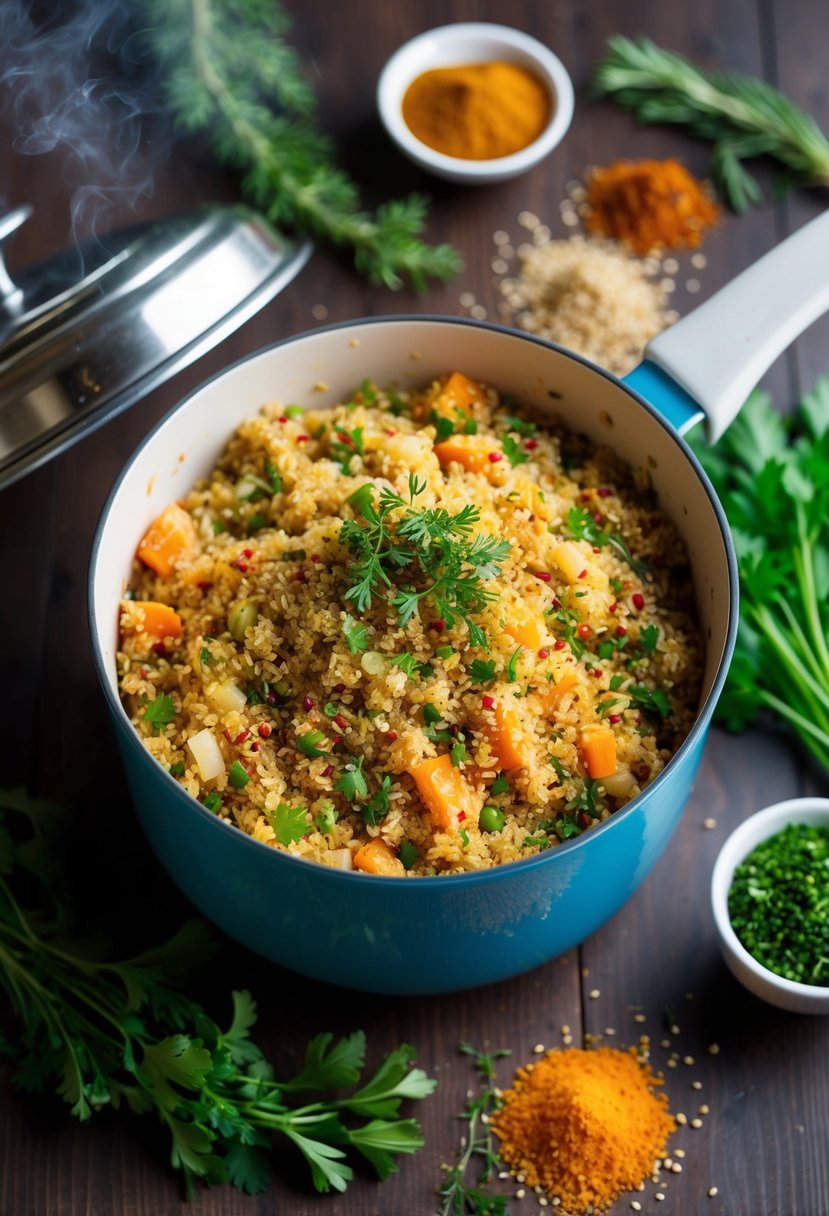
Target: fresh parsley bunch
[432,545]
[772,476]
[228,72]
[118,1034]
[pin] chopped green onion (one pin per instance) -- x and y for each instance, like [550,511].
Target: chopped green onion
[431,714]
[408,854]
[500,786]
[361,498]
[213,802]
[238,776]
[444,652]
[512,666]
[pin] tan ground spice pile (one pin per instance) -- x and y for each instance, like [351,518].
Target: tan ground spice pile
[584,1125]
[589,296]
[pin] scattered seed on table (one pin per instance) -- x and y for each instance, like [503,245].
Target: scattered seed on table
[696,1124]
[636,1205]
[467,299]
[639,1017]
[659,1196]
[709,824]
[319,312]
[478,312]
[671,1063]
[696,1085]
[681,1119]
[687,1059]
[676,1168]
[704,1109]
[679,1152]
[712,1191]
[520,1193]
[713,1049]
[569,218]
[594,994]
[670,266]
[693,286]
[699,261]
[539,1049]
[500,237]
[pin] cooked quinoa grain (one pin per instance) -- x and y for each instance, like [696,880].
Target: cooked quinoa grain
[417,633]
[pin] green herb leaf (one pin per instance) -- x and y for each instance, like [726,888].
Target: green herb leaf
[356,635]
[377,806]
[512,666]
[289,823]
[481,671]
[352,784]
[159,712]
[408,854]
[406,662]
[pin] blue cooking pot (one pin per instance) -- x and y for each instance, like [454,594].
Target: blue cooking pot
[430,935]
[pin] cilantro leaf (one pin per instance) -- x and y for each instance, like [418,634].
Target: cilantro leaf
[356,635]
[289,823]
[380,1141]
[352,784]
[393,1081]
[377,806]
[328,1067]
[159,712]
[513,451]
[652,701]
[406,662]
[481,671]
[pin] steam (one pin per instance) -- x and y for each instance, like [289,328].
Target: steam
[75,79]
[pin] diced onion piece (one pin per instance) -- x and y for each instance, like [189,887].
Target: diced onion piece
[207,755]
[570,560]
[620,784]
[340,859]
[372,662]
[227,697]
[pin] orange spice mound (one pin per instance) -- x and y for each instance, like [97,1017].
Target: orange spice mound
[649,204]
[584,1125]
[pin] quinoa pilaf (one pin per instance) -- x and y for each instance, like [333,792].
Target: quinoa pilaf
[417,633]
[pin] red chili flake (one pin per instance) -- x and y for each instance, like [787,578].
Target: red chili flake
[315,557]
[264,730]
[488,702]
[299,576]
[308,703]
[543,654]
[254,747]
[342,721]
[240,565]
[544,575]
[584,819]
[247,553]
[620,631]
[596,673]
[240,738]
[438,625]
[303,438]
[614,718]
[530,444]
[584,630]
[604,492]
[597,549]
[391,736]
[204,587]
[283,419]
[142,671]
[328,770]
[339,688]
[461,814]
[494,457]
[613,607]
[391,432]
[560,644]
[638,601]
[159,648]
[583,574]
[227,735]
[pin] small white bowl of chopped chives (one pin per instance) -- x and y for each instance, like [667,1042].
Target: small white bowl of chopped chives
[770,897]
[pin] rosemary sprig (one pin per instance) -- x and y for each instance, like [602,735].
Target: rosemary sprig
[229,72]
[742,117]
[457,1197]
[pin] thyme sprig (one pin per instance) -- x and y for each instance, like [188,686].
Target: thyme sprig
[230,73]
[458,1197]
[742,117]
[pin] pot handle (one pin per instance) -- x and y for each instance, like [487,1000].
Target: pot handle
[706,365]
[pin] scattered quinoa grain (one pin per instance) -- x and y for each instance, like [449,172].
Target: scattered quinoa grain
[713,1049]
[709,824]
[659,1196]
[696,1085]
[696,1124]
[704,1109]
[681,1119]
[594,994]
[688,1060]
[712,1191]
[539,1049]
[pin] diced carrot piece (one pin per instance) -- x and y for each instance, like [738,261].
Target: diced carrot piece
[570,560]
[507,740]
[159,620]
[377,858]
[169,539]
[552,694]
[524,625]
[598,746]
[457,392]
[448,797]
[470,451]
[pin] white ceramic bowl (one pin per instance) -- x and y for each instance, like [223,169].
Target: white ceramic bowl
[473,42]
[785,994]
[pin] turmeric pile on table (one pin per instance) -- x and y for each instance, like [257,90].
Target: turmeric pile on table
[585,1125]
[649,204]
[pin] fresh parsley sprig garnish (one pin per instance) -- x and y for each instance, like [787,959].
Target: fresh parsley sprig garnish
[432,543]
[116,1034]
[581,525]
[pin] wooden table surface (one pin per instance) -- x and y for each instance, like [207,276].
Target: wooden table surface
[764,1143]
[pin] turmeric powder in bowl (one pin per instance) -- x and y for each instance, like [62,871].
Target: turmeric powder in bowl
[477,111]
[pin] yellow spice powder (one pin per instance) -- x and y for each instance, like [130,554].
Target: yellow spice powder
[584,1125]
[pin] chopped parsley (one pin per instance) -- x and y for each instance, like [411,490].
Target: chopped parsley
[309,744]
[408,854]
[431,714]
[213,802]
[500,785]
[407,663]
[513,451]
[526,429]
[346,445]
[512,666]
[238,776]
[377,806]
[583,526]
[326,817]
[158,713]
[274,477]
[356,635]
[289,823]
[352,784]
[482,671]
[652,701]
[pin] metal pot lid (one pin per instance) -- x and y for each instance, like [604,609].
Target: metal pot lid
[87,333]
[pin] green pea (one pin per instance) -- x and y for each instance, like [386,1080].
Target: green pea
[492,819]
[242,617]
